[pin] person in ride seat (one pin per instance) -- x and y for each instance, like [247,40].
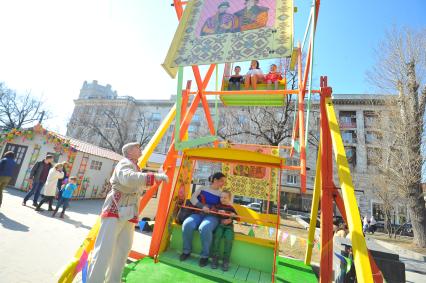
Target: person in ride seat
[236,79]
[273,77]
[254,75]
[225,230]
[203,198]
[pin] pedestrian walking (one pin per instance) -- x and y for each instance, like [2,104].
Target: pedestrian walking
[49,189]
[66,196]
[38,177]
[7,168]
[373,223]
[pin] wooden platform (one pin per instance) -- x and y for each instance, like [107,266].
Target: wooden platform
[236,273]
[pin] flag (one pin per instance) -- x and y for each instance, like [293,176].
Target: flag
[284,236]
[302,241]
[142,225]
[346,260]
[292,240]
[271,231]
[319,246]
[82,262]
[84,273]
[251,232]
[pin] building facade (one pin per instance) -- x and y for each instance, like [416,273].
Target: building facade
[356,114]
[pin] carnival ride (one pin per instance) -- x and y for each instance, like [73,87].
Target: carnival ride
[253,259]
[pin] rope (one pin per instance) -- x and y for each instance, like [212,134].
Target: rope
[308,110]
[216,116]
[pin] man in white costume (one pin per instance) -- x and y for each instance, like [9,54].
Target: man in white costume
[119,216]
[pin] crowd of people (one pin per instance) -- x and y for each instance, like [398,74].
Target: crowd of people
[254,76]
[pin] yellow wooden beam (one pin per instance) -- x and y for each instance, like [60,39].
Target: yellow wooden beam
[314,209]
[155,140]
[359,247]
[234,155]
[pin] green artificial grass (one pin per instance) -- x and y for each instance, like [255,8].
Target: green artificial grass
[292,270]
[145,270]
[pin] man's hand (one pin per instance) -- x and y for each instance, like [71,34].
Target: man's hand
[227,221]
[206,209]
[161,177]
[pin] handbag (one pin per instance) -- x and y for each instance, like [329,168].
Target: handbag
[184,212]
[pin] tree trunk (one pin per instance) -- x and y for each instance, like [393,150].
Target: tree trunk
[416,207]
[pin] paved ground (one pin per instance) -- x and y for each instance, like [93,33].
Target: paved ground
[34,246]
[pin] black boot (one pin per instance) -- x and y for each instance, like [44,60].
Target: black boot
[62,214]
[225,265]
[54,212]
[215,262]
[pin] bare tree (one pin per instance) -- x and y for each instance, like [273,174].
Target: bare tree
[18,111]
[400,68]
[113,129]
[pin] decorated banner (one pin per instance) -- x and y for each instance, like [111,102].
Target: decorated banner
[219,31]
[250,180]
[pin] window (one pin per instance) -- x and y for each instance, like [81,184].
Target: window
[96,165]
[349,136]
[292,179]
[292,162]
[372,137]
[156,116]
[370,119]
[196,118]
[192,129]
[351,155]
[347,119]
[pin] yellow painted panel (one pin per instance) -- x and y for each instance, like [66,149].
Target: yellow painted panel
[252,217]
[361,258]
[234,155]
[155,140]
[314,209]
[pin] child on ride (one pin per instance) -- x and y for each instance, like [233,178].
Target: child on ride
[225,230]
[254,75]
[236,80]
[273,77]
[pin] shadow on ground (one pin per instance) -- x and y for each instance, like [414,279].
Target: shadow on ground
[11,224]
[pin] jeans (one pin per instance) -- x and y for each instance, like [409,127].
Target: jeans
[35,190]
[234,85]
[225,232]
[206,225]
[62,201]
[4,181]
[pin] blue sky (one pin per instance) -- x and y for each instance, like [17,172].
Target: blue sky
[51,46]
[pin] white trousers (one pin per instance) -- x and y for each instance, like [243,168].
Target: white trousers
[111,249]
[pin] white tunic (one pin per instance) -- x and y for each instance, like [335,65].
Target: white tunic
[49,188]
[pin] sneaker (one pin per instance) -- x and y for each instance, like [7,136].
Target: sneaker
[184,256]
[35,204]
[38,209]
[203,261]
[215,262]
[225,265]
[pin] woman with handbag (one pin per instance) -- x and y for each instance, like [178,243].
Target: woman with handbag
[203,198]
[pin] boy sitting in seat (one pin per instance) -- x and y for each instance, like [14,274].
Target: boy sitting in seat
[225,230]
[236,79]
